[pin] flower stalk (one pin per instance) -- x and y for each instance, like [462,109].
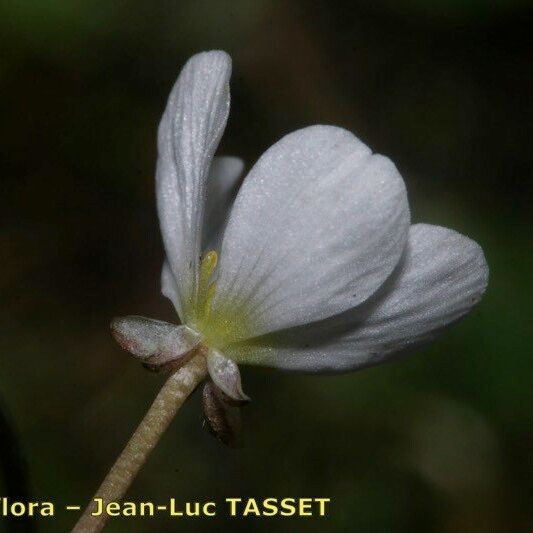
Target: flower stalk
[170,398]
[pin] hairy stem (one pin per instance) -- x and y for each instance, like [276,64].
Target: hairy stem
[170,398]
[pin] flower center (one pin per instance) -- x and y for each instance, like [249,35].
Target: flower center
[206,287]
[220,325]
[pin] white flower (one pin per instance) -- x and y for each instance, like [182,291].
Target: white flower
[319,268]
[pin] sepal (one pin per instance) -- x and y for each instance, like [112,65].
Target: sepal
[225,374]
[222,420]
[159,345]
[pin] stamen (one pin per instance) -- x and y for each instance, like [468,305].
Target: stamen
[207,266]
[206,290]
[209,299]
[217,319]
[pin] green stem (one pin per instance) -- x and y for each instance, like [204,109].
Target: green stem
[170,398]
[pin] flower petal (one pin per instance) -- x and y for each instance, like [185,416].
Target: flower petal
[221,190]
[189,133]
[440,279]
[318,225]
[169,287]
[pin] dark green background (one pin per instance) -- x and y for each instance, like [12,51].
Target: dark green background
[439,442]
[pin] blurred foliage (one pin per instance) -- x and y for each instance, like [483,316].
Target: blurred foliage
[439,442]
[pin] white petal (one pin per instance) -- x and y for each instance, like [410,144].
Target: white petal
[221,190]
[318,225]
[169,287]
[441,278]
[189,133]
